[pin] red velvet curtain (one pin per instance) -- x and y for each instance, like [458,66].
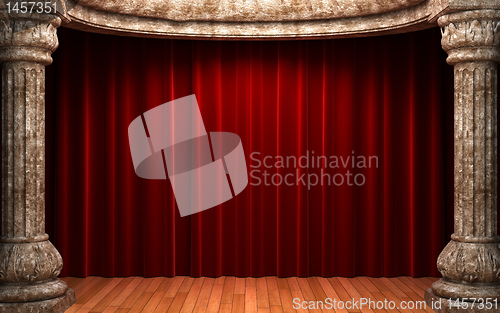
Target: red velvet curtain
[389,97]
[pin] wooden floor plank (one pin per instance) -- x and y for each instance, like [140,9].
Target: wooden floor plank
[164,305]
[159,295]
[319,294]
[411,284]
[306,289]
[79,284]
[388,293]
[239,286]
[141,302]
[198,281]
[349,288]
[178,302]
[262,294]
[136,294]
[70,280]
[365,293]
[409,295]
[422,284]
[341,292]
[105,302]
[122,297]
[154,301]
[84,281]
[220,280]
[186,284]
[251,299]
[226,307]
[154,284]
[403,287]
[191,297]
[90,286]
[241,295]
[174,286]
[293,283]
[414,296]
[430,280]
[316,288]
[214,302]
[378,296]
[165,284]
[228,291]
[380,286]
[368,284]
[238,303]
[91,303]
[330,292]
[283,284]
[394,289]
[273,291]
[205,292]
[286,300]
[250,282]
[74,308]
[276,309]
[91,292]
[297,294]
[354,294]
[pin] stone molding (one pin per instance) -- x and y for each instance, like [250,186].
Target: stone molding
[28,40]
[29,262]
[471,36]
[248,11]
[470,262]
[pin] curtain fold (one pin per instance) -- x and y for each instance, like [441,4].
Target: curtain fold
[388,97]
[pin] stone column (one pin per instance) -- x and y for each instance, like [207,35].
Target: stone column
[29,263]
[470,263]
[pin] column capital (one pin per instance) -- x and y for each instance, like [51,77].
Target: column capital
[470,36]
[31,37]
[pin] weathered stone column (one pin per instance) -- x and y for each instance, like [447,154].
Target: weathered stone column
[29,263]
[470,263]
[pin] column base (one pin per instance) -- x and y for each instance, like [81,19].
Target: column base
[56,305]
[445,305]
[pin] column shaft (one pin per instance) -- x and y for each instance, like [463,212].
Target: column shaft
[23,153]
[476,151]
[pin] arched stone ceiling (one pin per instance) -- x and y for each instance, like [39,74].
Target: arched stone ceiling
[258,19]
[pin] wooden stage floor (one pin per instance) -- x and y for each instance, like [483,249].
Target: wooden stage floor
[256,295]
